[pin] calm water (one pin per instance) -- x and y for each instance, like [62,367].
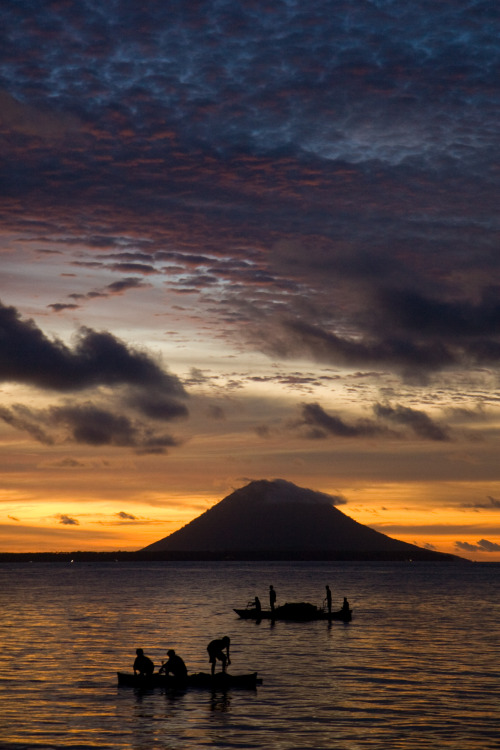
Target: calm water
[418,667]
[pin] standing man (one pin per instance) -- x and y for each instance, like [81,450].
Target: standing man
[272,598]
[328,598]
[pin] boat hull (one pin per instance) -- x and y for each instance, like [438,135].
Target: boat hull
[202,680]
[300,612]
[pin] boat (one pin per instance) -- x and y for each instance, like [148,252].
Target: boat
[203,680]
[295,611]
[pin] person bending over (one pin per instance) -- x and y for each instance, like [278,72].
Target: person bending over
[216,651]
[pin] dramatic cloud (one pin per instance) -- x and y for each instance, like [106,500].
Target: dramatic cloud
[309,190]
[418,421]
[87,424]
[28,356]
[322,424]
[412,358]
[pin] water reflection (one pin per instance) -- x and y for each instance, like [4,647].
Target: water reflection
[220,702]
[416,669]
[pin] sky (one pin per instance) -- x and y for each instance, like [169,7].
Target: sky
[249,240]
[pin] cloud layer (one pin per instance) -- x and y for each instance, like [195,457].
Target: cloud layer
[97,360]
[312,186]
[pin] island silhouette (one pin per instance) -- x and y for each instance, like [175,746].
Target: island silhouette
[279,520]
[265,520]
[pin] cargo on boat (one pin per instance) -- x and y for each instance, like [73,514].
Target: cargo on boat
[295,611]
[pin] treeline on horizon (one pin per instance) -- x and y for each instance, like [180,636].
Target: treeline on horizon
[141,556]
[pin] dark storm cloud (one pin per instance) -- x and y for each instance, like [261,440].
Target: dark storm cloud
[136,381]
[463,319]
[322,424]
[413,358]
[299,150]
[156,405]
[87,424]
[28,356]
[21,418]
[417,420]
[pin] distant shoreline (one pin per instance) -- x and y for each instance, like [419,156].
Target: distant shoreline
[291,556]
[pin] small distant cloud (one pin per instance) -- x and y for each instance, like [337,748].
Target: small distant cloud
[263,431]
[126,516]
[69,463]
[13,518]
[492,504]
[197,376]
[216,412]
[483,545]
[59,307]
[67,520]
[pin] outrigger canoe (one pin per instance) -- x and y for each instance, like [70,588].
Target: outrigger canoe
[297,612]
[203,680]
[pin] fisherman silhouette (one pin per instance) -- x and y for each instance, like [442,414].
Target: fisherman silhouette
[257,606]
[345,605]
[175,665]
[216,651]
[272,597]
[328,598]
[143,664]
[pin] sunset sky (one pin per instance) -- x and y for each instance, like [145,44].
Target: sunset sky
[249,240]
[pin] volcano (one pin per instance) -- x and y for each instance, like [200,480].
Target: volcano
[278,520]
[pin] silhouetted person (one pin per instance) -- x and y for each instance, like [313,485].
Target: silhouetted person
[216,651]
[175,665]
[143,664]
[272,598]
[328,598]
[345,605]
[257,606]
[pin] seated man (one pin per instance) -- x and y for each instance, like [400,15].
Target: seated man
[175,665]
[216,651]
[143,664]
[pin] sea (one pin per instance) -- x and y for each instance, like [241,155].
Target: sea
[418,667]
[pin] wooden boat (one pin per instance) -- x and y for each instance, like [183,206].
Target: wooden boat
[295,611]
[203,680]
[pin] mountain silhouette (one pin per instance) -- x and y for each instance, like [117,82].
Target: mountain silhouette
[278,520]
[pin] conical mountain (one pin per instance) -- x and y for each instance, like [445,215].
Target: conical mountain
[278,519]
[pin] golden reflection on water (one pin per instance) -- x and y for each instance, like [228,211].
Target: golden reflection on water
[416,668]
